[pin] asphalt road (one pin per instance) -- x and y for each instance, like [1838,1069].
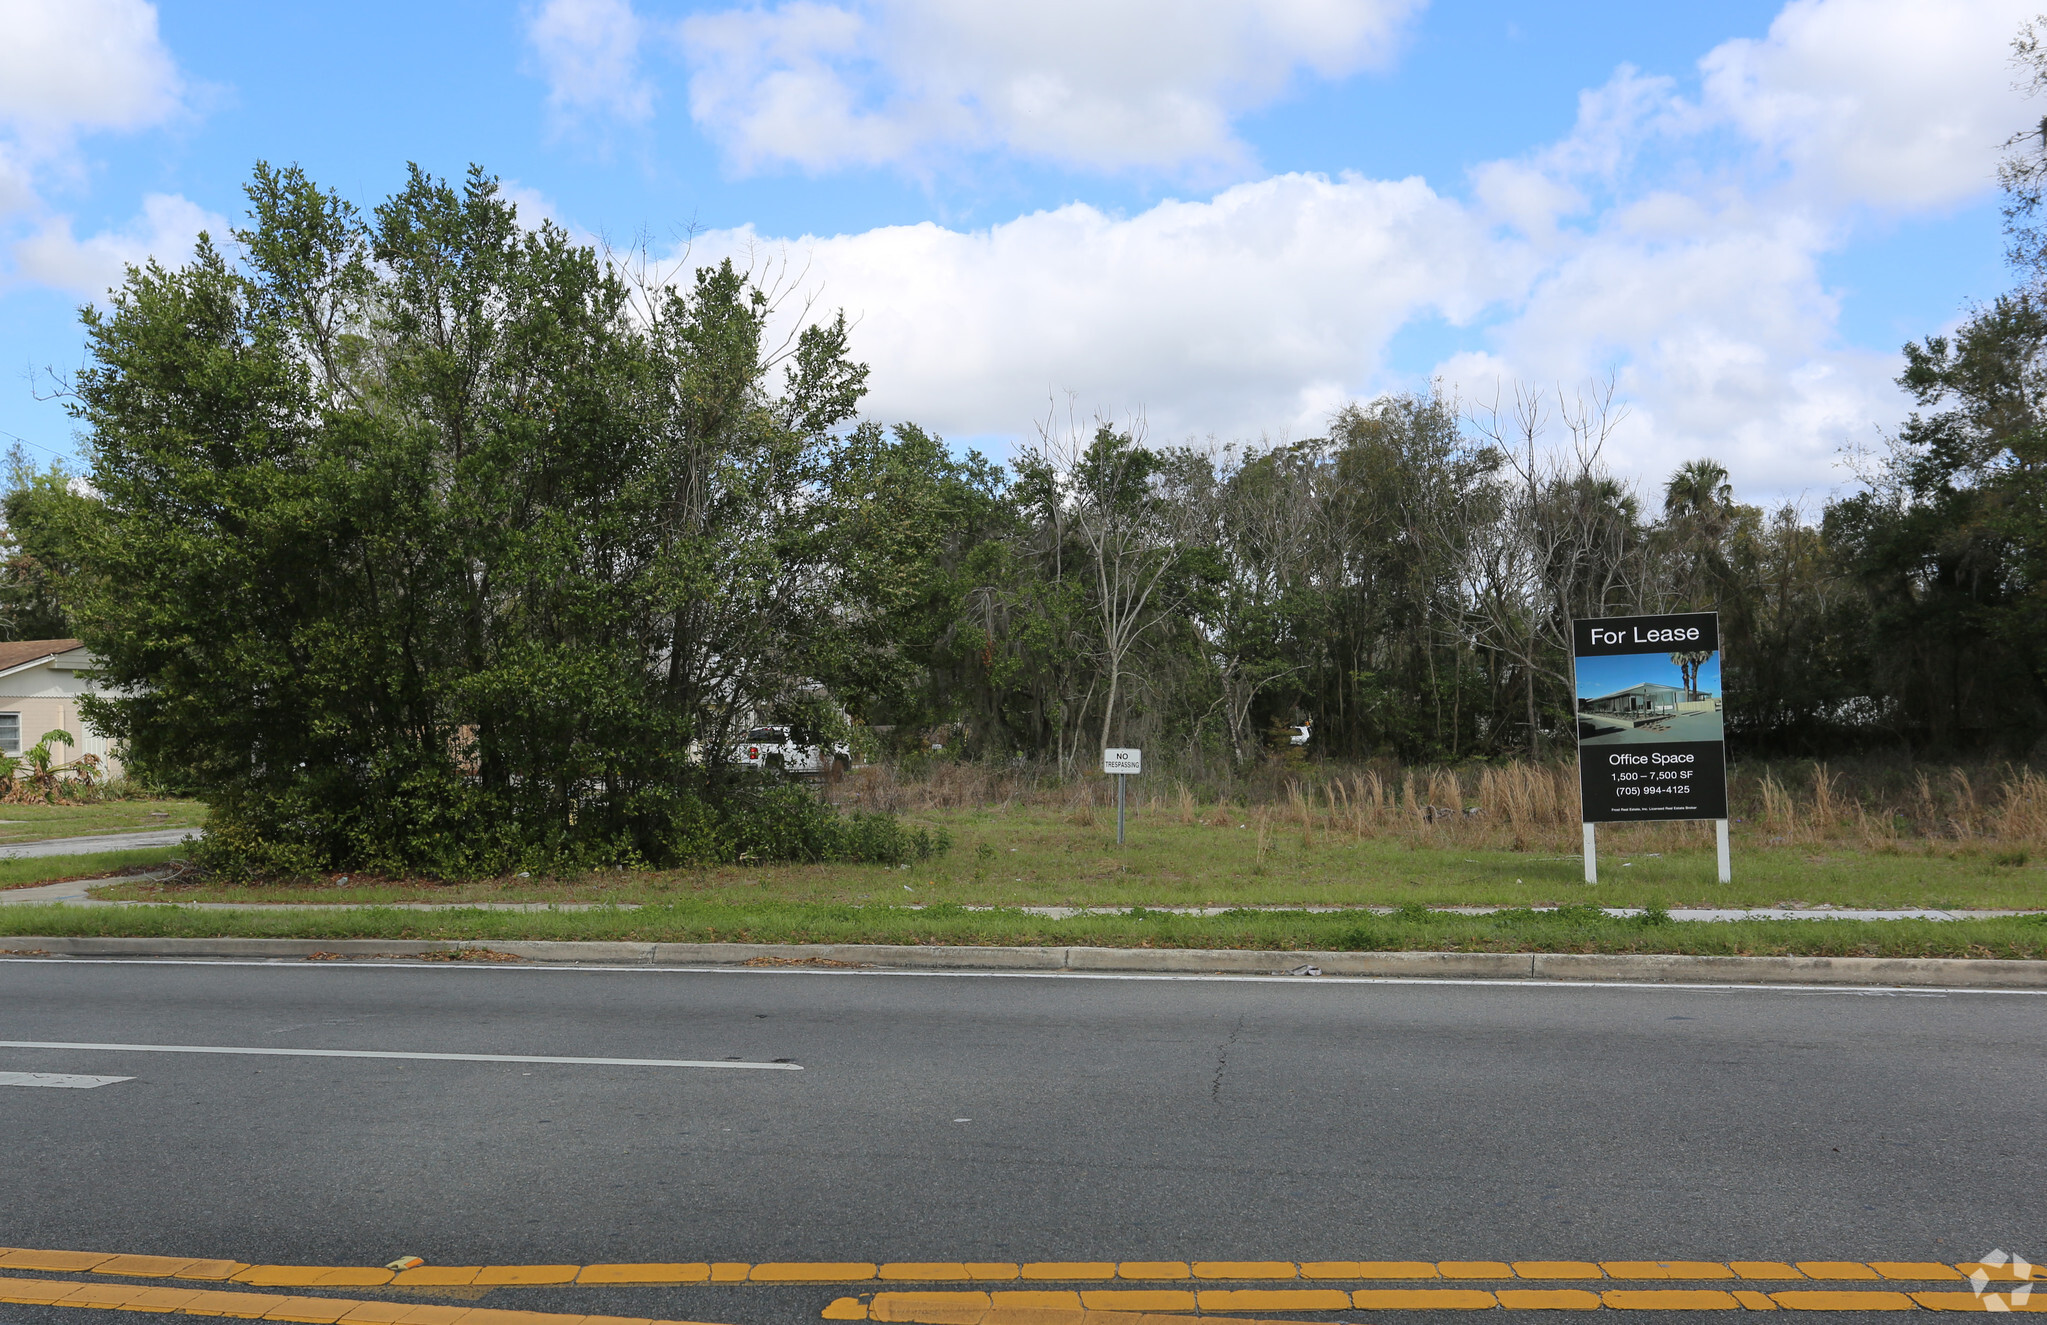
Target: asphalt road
[961,1118]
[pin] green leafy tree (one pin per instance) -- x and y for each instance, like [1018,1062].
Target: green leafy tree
[427,541]
[1945,539]
[44,513]
[907,521]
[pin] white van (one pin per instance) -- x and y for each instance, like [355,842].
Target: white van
[794,750]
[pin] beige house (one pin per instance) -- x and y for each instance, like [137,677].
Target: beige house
[40,685]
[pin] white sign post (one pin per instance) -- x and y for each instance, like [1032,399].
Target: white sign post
[1123,764]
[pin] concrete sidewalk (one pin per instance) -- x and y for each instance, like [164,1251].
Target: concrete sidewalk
[99,843]
[76,892]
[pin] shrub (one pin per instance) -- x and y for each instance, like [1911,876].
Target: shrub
[442,825]
[778,822]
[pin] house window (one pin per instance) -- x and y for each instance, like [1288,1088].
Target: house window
[10,733]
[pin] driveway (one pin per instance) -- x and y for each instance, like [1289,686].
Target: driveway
[92,846]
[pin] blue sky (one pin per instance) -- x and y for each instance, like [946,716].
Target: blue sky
[1613,672]
[1225,217]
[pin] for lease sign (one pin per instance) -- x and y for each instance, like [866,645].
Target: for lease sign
[1648,706]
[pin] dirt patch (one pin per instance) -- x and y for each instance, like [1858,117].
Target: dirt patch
[805,961]
[465,955]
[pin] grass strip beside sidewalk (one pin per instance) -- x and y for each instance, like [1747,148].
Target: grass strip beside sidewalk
[1574,929]
[29,871]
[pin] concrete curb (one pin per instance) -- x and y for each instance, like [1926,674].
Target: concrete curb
[1949,973]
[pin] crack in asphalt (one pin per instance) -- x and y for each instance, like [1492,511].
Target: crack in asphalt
[1222,1057]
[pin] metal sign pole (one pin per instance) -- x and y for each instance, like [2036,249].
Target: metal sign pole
[1121,763]
[1592,853]
[1720,840]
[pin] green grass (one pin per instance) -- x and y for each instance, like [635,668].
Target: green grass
[31,870]
[1018,857]
[1578,929]
[34,822]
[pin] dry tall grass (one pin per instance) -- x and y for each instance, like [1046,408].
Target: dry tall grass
[1523,806]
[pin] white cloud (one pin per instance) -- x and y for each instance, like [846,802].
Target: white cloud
[1894,103]
[82,64]
[1637,245]
[1142,83]
[1720,335]
[589,53]
[1260,310]
[165,230]
[66,70]
[1262,307]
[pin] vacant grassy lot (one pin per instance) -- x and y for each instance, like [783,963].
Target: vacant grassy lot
[1577,929]
[34,822]
[1217,856]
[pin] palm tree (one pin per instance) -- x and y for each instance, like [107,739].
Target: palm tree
[1688,665]
[1699,494]
[1698,514]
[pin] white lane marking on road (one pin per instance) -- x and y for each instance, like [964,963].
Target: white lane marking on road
[566,968]
[393,1053]
[56,1079]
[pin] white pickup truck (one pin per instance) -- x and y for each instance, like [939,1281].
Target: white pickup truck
[794,750]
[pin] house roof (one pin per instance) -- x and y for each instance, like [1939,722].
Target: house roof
[22,652]
[1639,688]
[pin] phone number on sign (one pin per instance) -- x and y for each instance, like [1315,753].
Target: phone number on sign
[1654,788]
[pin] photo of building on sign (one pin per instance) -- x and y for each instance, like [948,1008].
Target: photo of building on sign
[1640,698]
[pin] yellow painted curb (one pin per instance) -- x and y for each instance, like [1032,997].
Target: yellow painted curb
[1422,1299]
[1274,1299]
[812,1272]
[1844,1300]
[1474,1269]
[1140,1299]
[1837,1270]
[437,1276]
[1932,1270]
[313,1276]
[1666,1270]
[1951,1301]
[525,1274]
[279,1307]
[652,1273]
[1668,1299]
[1557,1270]
[1548,1299]
[935,1308]
[1243,1269]
[977,1272]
